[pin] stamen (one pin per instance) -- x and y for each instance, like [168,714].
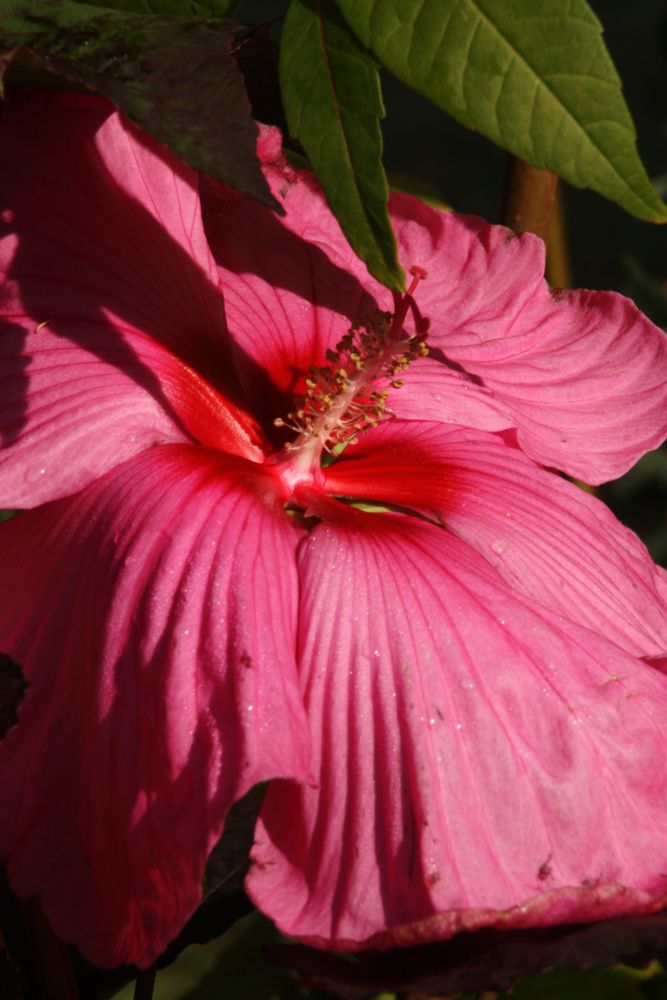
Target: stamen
[342,397]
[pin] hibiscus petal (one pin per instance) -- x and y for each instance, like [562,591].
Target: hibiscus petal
[85,410]
[110,289]
[480,761]
[549,540]
[292,287]
[154,615]
[582,375]
[287,300]
[434,391]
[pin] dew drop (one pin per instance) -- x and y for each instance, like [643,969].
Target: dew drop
[34,475]
[499,545]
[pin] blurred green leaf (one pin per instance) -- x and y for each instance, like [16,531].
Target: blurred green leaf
[649,293]
[532,75]
[333,103]
[173,75]
[421,187]
[233,966]
[639,500]
[590,984]
[203,8]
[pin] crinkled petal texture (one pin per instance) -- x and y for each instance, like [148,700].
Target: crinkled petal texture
[480,760]
[154,615]
[548,539]
[580,375]
[110,299]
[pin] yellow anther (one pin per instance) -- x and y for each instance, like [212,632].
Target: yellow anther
[342,397]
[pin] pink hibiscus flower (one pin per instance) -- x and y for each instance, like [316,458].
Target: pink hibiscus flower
[454,692]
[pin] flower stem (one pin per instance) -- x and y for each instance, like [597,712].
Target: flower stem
[529,198]
[143,987]
[559,269]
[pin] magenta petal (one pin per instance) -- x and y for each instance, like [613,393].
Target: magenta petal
[69,414]
[109,289]
[582,373]
[435,391]
[287,299]
[154,615]
[480,761]
[549,540]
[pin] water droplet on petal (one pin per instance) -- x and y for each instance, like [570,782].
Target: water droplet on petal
[34,475]
[499,545]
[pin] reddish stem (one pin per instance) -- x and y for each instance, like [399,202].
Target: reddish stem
[559,271]
[529,198]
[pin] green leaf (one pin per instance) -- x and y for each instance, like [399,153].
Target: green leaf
[233,966]
[588,984]
[532,75]
[173,75]
[204,8]
[331,93]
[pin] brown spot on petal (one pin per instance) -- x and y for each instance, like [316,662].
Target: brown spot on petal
[544,871]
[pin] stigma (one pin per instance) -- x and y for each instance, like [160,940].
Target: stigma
[349,394]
